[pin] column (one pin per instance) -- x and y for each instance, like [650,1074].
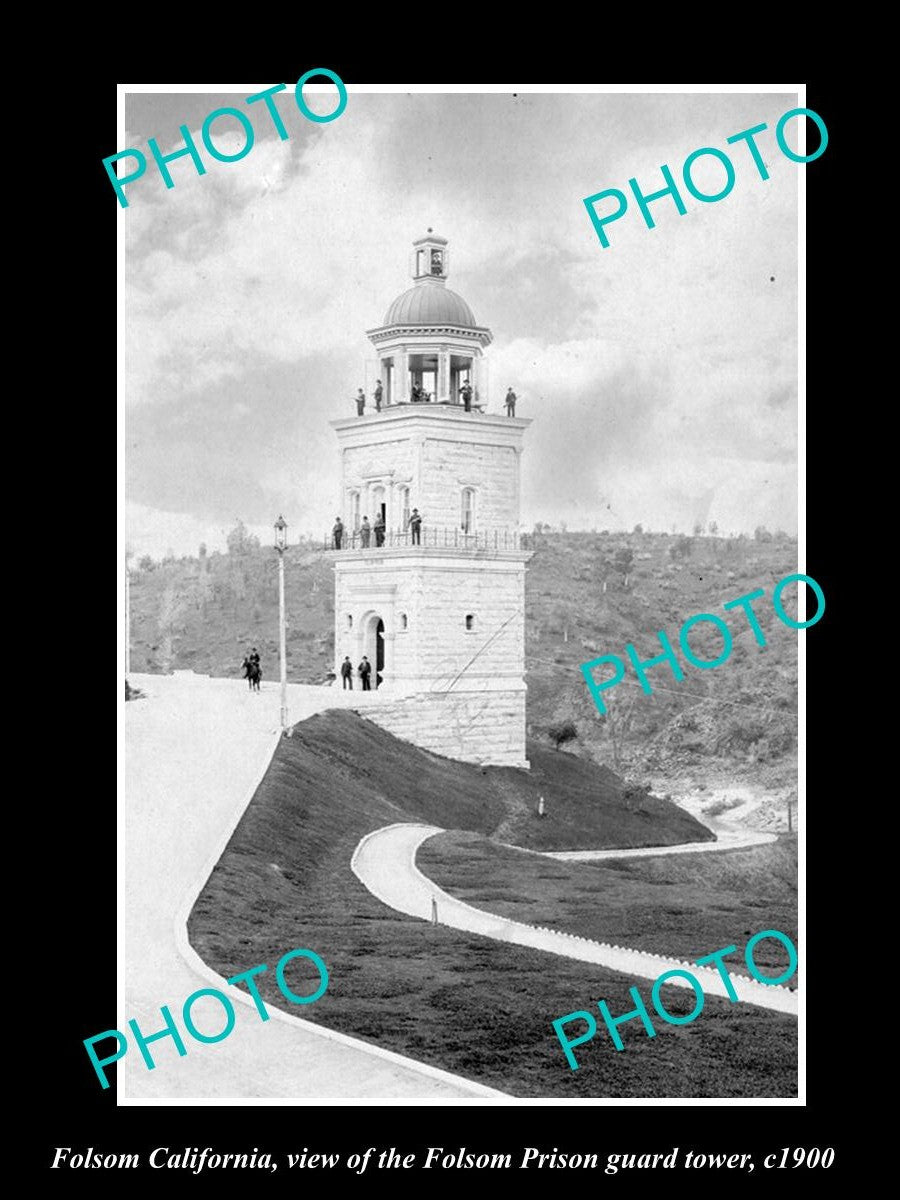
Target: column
[401,378]
[443,388]
[415,496]
[517,452]
[387,673]
[475,376]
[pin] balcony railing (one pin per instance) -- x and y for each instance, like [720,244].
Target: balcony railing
[429,538]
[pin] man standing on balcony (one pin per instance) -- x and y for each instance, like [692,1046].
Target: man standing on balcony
[510,402]
[378,395]
[365,531]
[466,392]
[360,403]
[379,529]
[338,532]
[415,524]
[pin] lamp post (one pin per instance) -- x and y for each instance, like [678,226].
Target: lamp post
[127,618]
[281,546]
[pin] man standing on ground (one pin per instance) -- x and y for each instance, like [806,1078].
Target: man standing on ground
[347,673]
[365,670]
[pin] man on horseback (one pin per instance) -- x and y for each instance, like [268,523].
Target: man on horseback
[252,670]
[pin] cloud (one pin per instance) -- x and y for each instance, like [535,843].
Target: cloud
[646,368]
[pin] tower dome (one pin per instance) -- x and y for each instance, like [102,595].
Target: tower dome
[429,344]
[430,303]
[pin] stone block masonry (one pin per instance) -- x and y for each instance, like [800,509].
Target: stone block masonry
[446,618]
[483,727]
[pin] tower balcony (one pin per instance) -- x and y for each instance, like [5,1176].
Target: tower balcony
[432,539]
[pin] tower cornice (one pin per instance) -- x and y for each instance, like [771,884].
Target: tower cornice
[386,333]
[430,419]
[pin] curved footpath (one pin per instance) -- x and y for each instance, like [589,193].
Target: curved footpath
[728,839]
[385,862]
[195,751]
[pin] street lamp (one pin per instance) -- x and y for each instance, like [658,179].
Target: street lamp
[281,546]
[127,618]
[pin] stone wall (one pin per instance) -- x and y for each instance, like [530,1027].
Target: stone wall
[435,454]
[449,466]
[487,728]
[451,685]
[423,601]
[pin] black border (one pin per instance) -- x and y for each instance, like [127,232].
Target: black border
[77,996]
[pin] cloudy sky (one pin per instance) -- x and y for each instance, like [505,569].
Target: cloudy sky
[661,373]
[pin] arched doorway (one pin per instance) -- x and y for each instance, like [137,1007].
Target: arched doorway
[379,652]
[371,639]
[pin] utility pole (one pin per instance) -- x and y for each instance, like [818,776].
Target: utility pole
[281,546]
[127,619]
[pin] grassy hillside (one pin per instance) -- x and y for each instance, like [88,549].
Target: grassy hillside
[203,614]
[739,719]
[683,905]
[458,1001]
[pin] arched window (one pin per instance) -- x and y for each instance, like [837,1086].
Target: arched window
[467,510]
[404,622]
[404,508]
[470,621]
[354,510]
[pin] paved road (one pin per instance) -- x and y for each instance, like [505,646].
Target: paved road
[195,750]
[385,862]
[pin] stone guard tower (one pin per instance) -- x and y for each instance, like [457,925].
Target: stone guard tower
[442,617]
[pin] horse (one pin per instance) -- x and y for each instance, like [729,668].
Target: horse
[252,674]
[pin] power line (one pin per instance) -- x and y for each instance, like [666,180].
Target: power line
[481,650]
[697,696]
